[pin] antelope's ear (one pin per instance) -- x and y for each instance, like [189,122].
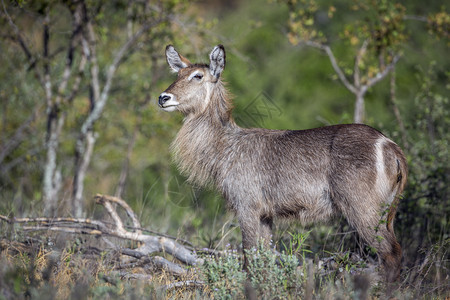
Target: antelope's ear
[175,60]
[217,61]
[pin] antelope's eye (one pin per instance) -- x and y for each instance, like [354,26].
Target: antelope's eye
[197,75]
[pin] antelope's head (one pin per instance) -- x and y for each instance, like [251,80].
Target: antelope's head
[192,90]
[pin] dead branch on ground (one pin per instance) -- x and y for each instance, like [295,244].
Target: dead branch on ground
[143,255]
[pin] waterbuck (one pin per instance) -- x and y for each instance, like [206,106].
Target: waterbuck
[308,175]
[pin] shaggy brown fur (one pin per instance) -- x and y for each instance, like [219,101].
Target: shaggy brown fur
[306,175]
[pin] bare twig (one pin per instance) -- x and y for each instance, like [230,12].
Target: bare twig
[129,18]
[156,261]
[70,54]
[103,199]
[18,37]
[126,164]
[359,56]
[415,18]
[47,78]
[380,75]
[51,221]
[77,80]
[126,275]
[418,278]
[63,229]
[182,284]
[5,167]
[334,63]
[19,135]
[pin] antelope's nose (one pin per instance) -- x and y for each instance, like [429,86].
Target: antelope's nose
[163,98]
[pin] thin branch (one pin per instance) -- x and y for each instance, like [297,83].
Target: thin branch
[153,244]
[92,56]
[70,54]
[188,244]
[139,276]
[334,63]
[112,213]
[19,135]
[64,229]
[126,164]
[415,18]
[104,199]
[182,284]
[47,78]
[5,167]
[18,37]
[156,261]
[356,70]
[380,75]
[77,79]
[129,19]
[51,221]
[17,33]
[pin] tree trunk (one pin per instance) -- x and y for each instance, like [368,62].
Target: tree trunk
[84,150]
[126,165]
[52,175]
[359,108]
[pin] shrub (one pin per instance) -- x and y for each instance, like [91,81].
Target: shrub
[271,275]
[224,276]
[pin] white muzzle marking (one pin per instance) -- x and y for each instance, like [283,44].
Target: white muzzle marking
[168,102]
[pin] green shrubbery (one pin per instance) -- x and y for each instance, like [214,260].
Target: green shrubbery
[270,275]
[273,275]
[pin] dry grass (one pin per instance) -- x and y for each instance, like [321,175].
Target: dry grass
[35,270]
[78,272]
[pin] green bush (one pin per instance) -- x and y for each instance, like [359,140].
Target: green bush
[224,275]
[271,275]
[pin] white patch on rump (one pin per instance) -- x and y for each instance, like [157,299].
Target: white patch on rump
[382,182]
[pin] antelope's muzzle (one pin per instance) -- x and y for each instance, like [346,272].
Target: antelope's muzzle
[163,98]
[168,102]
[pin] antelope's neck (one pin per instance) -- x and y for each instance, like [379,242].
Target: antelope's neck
[203,141]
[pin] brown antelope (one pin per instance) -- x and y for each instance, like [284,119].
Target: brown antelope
[308,175]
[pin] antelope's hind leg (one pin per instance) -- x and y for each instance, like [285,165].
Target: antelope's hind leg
[388,249]
[379,234]
[265,230]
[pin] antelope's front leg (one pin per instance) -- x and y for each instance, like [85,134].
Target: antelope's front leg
[255,229]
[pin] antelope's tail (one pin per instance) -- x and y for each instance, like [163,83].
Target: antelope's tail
[402,175]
